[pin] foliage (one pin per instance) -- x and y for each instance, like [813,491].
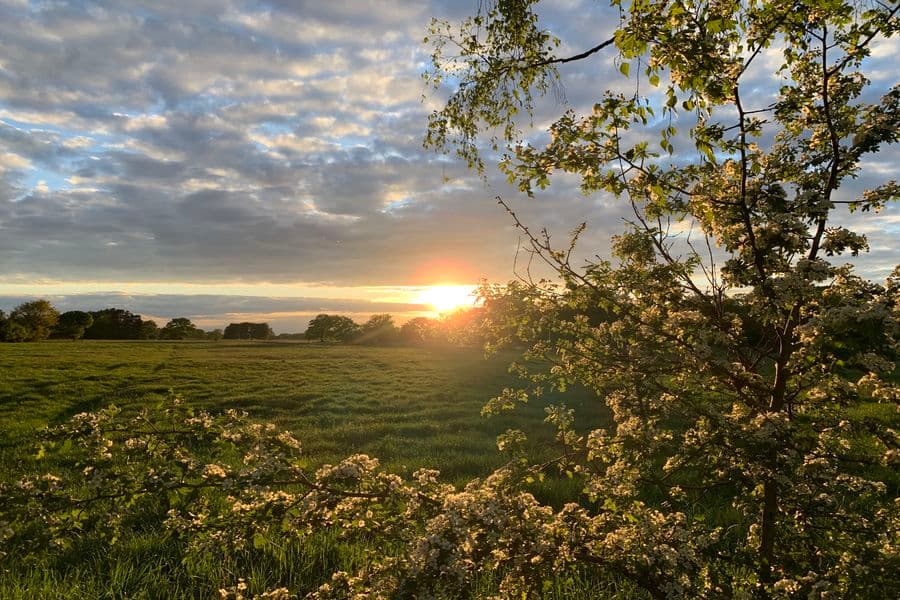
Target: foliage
[331,327]
[11,331]
[220,485]
[73,323]
[379,329]
[248,331]
[458,328]
[33,321]
[181,328]
[419,330]
[4,327]
[149,330]
[117,324]
[36,319]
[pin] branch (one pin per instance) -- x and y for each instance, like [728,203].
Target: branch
[863,43]
[568,59]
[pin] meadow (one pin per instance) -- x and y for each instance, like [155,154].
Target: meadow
[410,407]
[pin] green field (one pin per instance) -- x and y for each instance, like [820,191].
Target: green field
[411,407]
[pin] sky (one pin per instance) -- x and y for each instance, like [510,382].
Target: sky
[227,160]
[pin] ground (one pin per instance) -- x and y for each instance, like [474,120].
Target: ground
[411,407]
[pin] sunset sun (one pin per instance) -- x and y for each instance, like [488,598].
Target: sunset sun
[447,298]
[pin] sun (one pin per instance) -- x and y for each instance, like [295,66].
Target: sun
[447,298]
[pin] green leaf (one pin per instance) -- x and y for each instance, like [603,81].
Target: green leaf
[625,68]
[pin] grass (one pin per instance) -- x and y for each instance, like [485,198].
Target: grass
[410,407]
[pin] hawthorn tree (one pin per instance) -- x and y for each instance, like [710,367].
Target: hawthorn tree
[719,350]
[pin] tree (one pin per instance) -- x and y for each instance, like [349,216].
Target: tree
[248,331]
[331,327]
[37,319]
[115,324]
[419,330]
[214,335]
[181,328]
[379,329]
[11,331]
[149,330]
[73,323]
[716,351]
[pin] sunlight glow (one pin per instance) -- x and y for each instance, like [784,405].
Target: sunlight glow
[447,298]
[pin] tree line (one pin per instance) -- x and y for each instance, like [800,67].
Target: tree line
[39,320]
[457,328]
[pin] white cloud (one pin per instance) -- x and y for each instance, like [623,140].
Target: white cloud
[10,160]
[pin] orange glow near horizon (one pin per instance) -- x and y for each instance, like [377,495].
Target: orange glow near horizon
[447,298]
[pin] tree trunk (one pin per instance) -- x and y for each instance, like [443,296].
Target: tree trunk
[767,533]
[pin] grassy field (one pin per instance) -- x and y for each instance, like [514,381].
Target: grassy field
[410,407]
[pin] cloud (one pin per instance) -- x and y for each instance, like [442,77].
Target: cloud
[280,141]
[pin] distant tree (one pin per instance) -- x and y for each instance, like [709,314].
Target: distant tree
[463,327]
[262,331]
[181,328]
[215,335]
[420,330]
[235,331]
[10,331]
[37,318]
[248,331]
[331,327]
[13,332]
[379,329]
[114,324]
[72,324]
[149,330]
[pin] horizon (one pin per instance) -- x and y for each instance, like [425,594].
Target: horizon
[283,314]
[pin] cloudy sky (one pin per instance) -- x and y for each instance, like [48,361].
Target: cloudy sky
[223,160]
